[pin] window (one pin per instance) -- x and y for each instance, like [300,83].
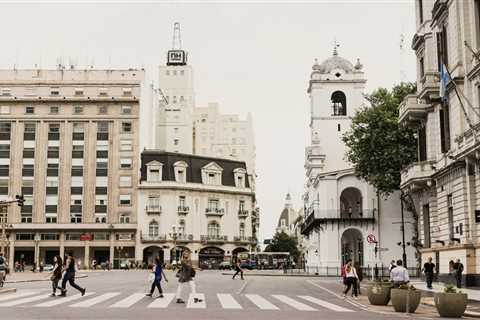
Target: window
[54,131]
[28,153]
[127,92]
[242,230]
[29,110]
[54,91]
[211,178]
[78,91]
[153,229]
[103,92]
[76,217]
[125,163]
[28,170]
[24,236]
[124,218]
[53,152]
[102,130]
[102,169]
[77,151]
[339,103]
[126,145]
[4,151]
[422,144]
[77,171]
[241,205]
[153,204]
[50,236]
[450,216]
[126,127]
[101,190]
[5,128]
[213,229]
[29,132]
[213,204]
[51,218]
[102,152]
[126,109]
[175,142]
[426,226]
[181,201]
[444,128]
[125,199]
[421,66]
[78,131]
[154,171]
[102,110]
[54,110]
[125,181]
[100,217]
[52,170]
[420,11]
[442,48]
[4,109]
[4,170]
[77,109]
[181,227]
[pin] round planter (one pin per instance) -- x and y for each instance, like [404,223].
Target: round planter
[399,300]
[379,294]
[451,305]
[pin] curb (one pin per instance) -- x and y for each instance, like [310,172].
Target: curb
[467,313]
[40,280]
[246,274]
[7,290]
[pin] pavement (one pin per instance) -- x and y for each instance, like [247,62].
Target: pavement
[28,276]
[121,295]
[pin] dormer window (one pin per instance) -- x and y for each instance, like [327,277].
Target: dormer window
[180,169]
[212,174]
[154,171]
[240,176]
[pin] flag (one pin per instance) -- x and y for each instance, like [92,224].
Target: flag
[444,80]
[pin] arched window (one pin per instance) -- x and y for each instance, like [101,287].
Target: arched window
[213,229]
[153,229]
[339,103]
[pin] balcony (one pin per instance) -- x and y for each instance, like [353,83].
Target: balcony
[153,209]
[417,174]
[429,86]
[411,110]
[243,239]
[323,217]
[183,210]
[242,213]
[184,237]
[213,238]
[145,237]
[214,212]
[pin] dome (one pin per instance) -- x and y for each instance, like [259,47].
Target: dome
[336,62]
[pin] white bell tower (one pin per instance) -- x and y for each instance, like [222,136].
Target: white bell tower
[336,89]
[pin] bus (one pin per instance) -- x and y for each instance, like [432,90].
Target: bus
[264,260]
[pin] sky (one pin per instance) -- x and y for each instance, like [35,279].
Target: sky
[249,56]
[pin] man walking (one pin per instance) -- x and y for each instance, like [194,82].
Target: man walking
[238,270]
[3,269]
[428,268]
[70,276]
[457,272]
[399,275]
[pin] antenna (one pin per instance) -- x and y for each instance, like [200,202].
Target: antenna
[177,37]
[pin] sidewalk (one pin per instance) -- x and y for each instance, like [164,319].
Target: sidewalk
[28,276]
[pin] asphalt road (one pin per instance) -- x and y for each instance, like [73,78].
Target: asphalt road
[120,295]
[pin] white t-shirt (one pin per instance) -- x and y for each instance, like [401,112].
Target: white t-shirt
[352,273]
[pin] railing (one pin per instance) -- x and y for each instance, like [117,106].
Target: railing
[153,209]
[149,237]
[184,237]
[340,214]
[183,209]
[418,171]
[213,238]
[410,108]
[242,213]
[242,239]
[380,272]
[214,211]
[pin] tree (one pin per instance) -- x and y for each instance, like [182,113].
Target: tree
[282,242]
[378,146]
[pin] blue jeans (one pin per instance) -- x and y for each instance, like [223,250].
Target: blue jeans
[156,283]
[70,277]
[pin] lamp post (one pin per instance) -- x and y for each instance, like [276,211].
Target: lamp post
[4,222]
[174,235]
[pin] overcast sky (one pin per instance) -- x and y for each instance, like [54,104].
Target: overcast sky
[250,57]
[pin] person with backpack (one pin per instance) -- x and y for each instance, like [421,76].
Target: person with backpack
[185,275]
[69,277]
[56,274]
[157,271]
[3,269]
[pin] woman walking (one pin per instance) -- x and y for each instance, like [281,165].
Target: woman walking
[56,274]
[185,275]
[352,277]
[157,271]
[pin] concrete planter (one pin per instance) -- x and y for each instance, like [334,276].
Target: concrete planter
[451,305]
[379,294]
[399,300]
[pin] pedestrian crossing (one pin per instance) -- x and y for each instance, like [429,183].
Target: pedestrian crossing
[119,300]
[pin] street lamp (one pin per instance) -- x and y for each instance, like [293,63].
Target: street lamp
[174,235]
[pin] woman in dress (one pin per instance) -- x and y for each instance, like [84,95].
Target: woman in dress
[185,275]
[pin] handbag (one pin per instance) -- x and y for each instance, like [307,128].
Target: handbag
[53,277]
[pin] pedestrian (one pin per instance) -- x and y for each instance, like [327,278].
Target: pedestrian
[157,272]
[238,269]
[69,276]
[358,268]
[399,275]
[56,274]
[392,266]
[185,275]
[428,268]
[3,269]
[457,272]
[343,274]
[352,277]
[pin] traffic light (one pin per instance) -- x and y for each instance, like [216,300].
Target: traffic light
[20,200]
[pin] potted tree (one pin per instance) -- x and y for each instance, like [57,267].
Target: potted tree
[379,293]
[451,303]
[405,298]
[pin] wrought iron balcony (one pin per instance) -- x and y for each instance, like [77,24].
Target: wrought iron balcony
[411,110]
[213,238]
[317,217]
[184,237]
[243,239]
[214,212]
[242,213]
[145,237]
[183,209]
[418,174]
[153,209]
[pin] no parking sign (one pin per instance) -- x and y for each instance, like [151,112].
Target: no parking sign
[371,239]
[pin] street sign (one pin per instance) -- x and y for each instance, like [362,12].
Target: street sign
[371,238]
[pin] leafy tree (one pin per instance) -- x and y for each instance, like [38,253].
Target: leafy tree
[282,242]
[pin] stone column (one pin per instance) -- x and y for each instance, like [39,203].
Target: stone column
[11,253]
[62,245]
[112,248]
[87,255]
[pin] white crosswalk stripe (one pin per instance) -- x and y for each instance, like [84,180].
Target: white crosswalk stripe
[228,302]
[96,300]
[293,303]
[326,304]
[15,295]
[60,300]
[41,296]
[162,302]
[129,301]
[198,305]
[261,302]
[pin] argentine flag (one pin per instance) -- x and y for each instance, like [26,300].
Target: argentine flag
[444,80]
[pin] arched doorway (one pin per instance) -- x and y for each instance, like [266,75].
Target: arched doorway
[150,253]
[352,246]
[351,203]
[235,253]
[210,257]
[176,253]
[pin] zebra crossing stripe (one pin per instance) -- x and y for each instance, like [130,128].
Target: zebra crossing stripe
[24,300]
[96,300]
[128,301]
[61,300]
[199,305]
[228,302]
[293,303]
[162,302]
[17,295]
[326,304]
[260,302]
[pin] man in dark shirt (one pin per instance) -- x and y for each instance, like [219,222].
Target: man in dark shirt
[457,271]
[428,268]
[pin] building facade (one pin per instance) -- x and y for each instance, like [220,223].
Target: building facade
[69,144]
[200,204]
[288,218]
[341,210]
[444,184]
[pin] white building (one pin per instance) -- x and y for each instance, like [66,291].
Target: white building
[200,204]
[341,210]
[288,218]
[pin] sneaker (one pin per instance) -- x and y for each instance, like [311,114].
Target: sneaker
[83,291]
[180,301]
[52,295]
[148,294]
[160,296]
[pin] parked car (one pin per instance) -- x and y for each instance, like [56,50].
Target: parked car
[48,267]
[225,265]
